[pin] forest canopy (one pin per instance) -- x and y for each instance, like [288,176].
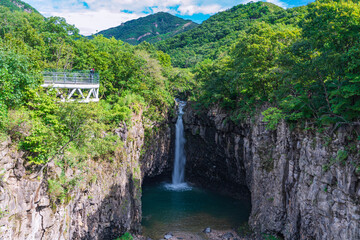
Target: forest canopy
[303,62]
[133,80]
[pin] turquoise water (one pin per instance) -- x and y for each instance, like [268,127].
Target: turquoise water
[189,209]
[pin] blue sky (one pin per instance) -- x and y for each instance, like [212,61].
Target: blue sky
[91,16]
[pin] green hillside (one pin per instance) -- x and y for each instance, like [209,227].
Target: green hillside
[219,32]
[152,28]
[17,5]
[132,78]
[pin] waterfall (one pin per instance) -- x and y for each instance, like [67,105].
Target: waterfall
[178,176]
[180,158]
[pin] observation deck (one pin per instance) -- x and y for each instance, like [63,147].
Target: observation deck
[74,86]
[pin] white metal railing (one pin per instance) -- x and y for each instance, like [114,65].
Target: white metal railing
[71,78]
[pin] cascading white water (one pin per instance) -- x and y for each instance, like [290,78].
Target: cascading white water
[178,176]
[180,158]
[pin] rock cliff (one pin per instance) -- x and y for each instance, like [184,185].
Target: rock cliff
[304,184]
[104,202]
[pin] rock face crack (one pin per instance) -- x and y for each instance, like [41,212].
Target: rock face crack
[42,222]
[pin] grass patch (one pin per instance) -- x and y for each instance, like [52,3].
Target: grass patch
[126,236]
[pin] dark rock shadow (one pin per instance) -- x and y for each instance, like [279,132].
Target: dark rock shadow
[213,161]
[119,212]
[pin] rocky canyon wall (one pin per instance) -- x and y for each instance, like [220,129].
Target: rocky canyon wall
[304,184]
[104,203]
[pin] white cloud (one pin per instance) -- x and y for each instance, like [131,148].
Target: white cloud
[193,9]
[90,22]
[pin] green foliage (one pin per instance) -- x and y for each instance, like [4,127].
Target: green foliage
[3,116]
[41,142]
[56,191]
[270,237]
[164,59]
[332,37]
[126,236]
[217,34]
[340,158]
[244,230]
[152,28]
[182,83]
[4,212]
[249,75]
[303,61]
[272,116]
[122,108]
[54,44]
[342,155]
[133,80]
[60,189]
[16,77]
[78,130]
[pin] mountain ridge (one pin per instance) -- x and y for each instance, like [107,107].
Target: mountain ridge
[216,34]
[152,28]
[18,5]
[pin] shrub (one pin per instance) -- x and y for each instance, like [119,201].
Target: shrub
[272,116]
[126,236]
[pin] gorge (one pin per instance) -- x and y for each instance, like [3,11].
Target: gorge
[267,145]
[295,192]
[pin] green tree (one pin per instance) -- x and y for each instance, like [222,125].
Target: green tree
[334,39]
[16,77]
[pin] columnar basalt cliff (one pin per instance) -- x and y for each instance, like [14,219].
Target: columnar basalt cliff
[304,184]
[105,202]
